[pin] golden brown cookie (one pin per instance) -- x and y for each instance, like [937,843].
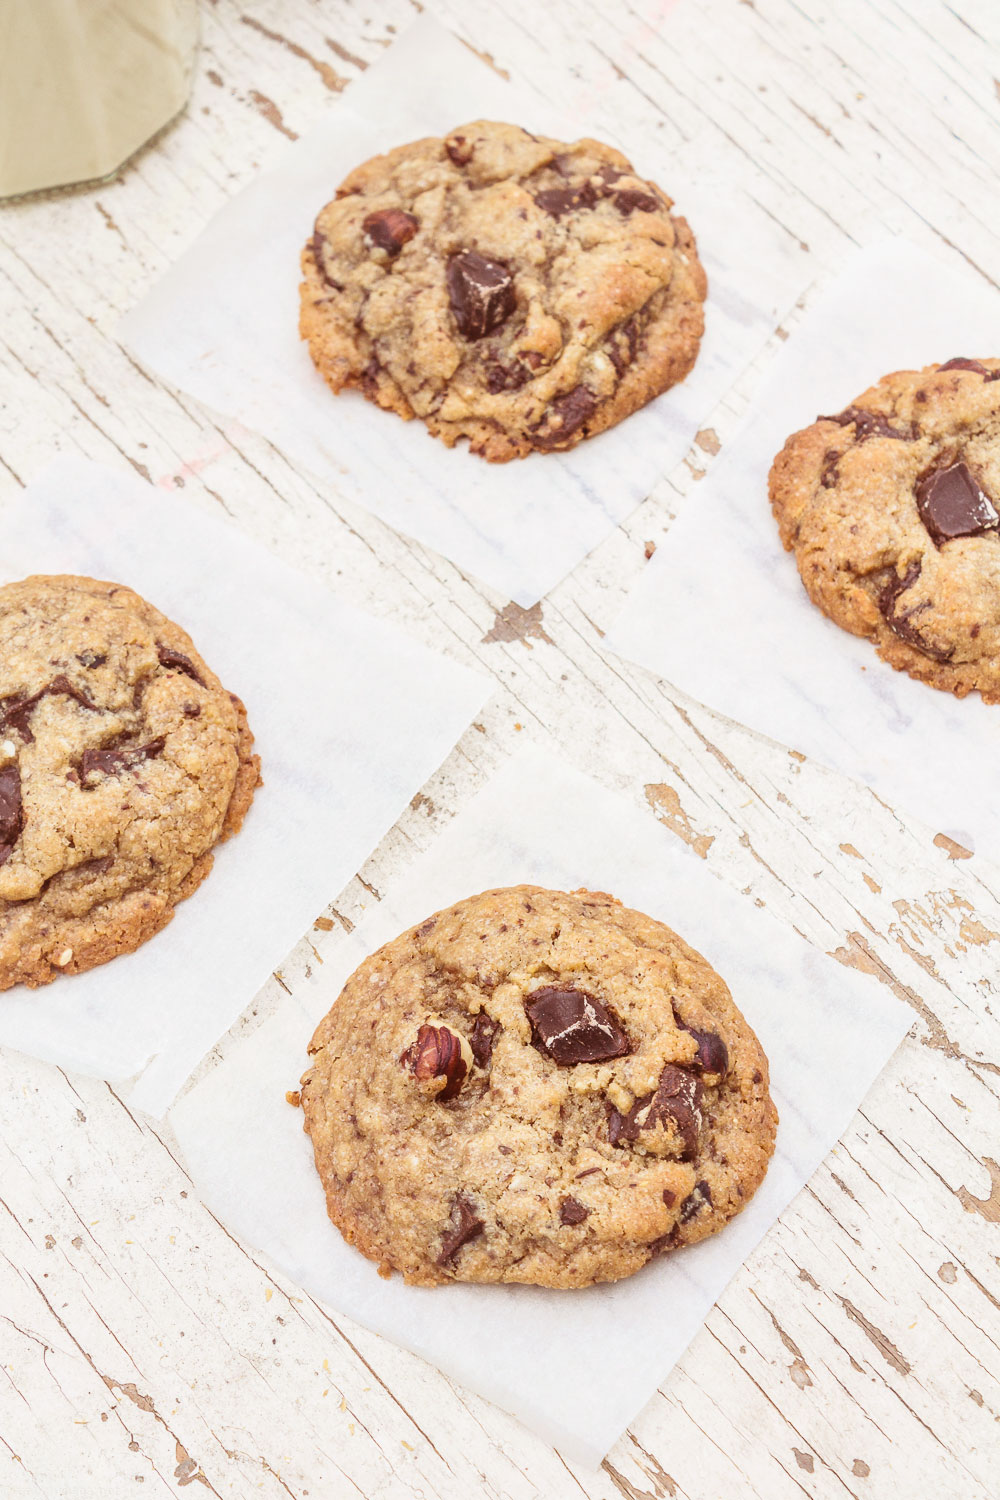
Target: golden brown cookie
[535,1086]
[892,509]
[123,762]
[503,287]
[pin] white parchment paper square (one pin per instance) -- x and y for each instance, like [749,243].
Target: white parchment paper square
[721,612]
[350,718]
[222,324]
[575,1366]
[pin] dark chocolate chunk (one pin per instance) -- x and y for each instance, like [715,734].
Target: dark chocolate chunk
[901,623]
[559,201]
[465,1226]
[565,416]
[571,1211]
[319,244]
[16,712]
[369,377]
[481,293]
[676,1101]
[11,810]
[459,150]
[501,377]
[176,661]
[713,1054]
[953,503]
[389,229]
[627,200]
[970,364]
[712,1058]
[91,659]
[831,469]
[664,1243]
[867,424]
[484,1034]
[696,1200]
[114,759]
[437,1053]
[572,1027]
[622,344]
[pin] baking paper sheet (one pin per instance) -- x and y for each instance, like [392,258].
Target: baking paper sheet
[575,1366]
[350,716]
[222,324]
[721,612]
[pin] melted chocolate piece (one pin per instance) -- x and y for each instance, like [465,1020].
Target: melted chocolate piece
[437,1053]
[970,364]
[114,759]
[565,416]
[16,712]
[91,659]
[389,229]
[628,199]
[484,1034]
[571,1211]
[466,1226]
[11,810]
[481,293]
[572,1027]
[953,503]
[901,624]
[676,1101]
[176,661]
[867,424]
[559,201]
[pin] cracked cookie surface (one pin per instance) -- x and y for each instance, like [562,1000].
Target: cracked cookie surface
[535,1086]
[892,508]
[123,762]
[506,288]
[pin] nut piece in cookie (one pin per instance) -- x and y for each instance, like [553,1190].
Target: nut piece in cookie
[123,762]
[892,509]
[535,1086]
[514,291]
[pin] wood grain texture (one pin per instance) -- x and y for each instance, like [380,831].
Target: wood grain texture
[858,1351]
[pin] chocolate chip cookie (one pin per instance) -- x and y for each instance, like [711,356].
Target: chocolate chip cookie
[503,287]
[123,762]
[535,1086]
[892,508]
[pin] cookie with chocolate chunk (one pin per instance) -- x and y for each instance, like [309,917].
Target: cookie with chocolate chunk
[123,762]
[503,287]
[892,508]
[535,1086]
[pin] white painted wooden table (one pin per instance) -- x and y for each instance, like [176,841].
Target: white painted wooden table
[857,1353]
